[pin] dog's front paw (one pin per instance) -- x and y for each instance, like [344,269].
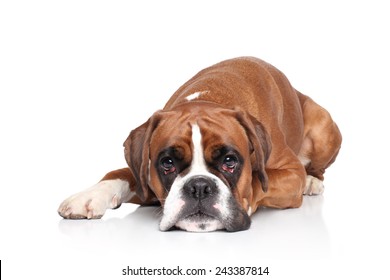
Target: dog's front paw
[89,204]
[83,206]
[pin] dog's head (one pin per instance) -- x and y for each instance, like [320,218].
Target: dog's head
[204,164]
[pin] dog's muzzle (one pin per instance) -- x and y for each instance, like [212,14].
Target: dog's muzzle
[203,203]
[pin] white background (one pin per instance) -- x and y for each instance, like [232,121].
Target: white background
[77,76]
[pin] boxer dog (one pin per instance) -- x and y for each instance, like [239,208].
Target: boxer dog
[235,137]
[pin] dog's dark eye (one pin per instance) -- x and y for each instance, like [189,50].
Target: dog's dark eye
[229,163]
[168,165]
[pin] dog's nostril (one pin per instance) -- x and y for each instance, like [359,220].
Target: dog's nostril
[200,187]
[193,190]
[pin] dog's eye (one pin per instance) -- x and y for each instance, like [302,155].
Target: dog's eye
[168,165]
[229,163]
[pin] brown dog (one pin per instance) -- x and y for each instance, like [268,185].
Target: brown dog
[234,137]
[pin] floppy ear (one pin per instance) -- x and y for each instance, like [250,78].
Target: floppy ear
[137,154]
[261,144]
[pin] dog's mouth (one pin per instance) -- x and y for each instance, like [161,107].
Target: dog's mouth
[199,216]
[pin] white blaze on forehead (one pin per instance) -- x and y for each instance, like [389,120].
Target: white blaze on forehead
[198,164]
[196,95]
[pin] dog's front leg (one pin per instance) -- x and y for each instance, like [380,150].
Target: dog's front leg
[114,189]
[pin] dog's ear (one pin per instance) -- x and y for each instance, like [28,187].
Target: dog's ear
[260,142]
[137,154]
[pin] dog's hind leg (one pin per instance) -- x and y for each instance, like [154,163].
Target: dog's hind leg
[321,143]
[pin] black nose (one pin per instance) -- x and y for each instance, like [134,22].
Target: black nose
[200,187]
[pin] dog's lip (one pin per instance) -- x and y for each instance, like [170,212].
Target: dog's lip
[200,215]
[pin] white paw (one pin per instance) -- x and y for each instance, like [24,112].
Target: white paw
[313,186]
[93,202]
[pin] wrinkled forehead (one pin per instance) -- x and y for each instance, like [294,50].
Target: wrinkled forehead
[216,130]
[222,131]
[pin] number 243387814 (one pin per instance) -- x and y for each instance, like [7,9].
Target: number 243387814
[243,270]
